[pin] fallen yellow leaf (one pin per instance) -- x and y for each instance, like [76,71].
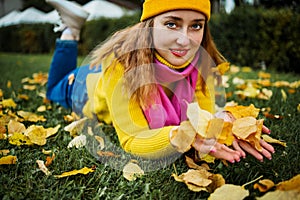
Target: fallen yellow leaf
[7,103]
[269,139]
[229,192]
[15,127]
[8,160]
[280,195]
[4,152]
[36,134]
[29,116]
[19,139]
[264,185]
[43,168]
[131,171]
[78,141]
[292,184]
[84,171]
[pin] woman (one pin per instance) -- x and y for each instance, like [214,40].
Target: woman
[150,72]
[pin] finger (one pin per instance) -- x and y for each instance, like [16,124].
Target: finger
[226,155]
[237,147]
[267,146]
[267,154]
[266,129]
[235,154]
[248,148]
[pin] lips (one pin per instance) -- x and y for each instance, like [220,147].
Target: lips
[179,52]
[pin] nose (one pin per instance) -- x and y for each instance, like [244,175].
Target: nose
[182,37]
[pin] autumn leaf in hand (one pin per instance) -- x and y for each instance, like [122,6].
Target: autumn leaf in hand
[239,111]
[248,129]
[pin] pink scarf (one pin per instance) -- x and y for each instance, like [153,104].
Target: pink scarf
[171,111]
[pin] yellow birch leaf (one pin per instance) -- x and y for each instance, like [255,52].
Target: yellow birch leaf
[15,127]
[269,139]
[214,128]
[2,132]
[229,192]
[217,181]
[29,116]
[191,164]
[243,111]
[264,75]
[4,152]
[298,107]
[8,103]
[41,108]
[100,141]
[281,84]
[1,93]
[19,139]
[75,127]
[52,131]
[29,87]
[84,171]
[283,94]
[131,171]
[46,152]
[207,158]
[8,160]
[49,160]
[43,168]
[183,137]
[198,118]
[280,195]
[8,84]
[226,136]
[243,127]
[264,185]
[23,97]
[292,184]
[78,141]
[36,134]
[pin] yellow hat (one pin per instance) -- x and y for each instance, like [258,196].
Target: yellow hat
[152,8]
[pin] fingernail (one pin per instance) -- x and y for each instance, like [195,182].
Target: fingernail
[232,161]
[212,151]
[238,160]
[270,158]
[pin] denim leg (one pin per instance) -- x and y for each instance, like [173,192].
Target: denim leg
[64,63]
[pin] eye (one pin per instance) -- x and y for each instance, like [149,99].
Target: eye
[197,26]
[171,25]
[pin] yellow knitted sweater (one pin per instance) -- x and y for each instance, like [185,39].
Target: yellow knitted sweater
[107,99]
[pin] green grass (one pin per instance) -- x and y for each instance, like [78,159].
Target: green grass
[24,181]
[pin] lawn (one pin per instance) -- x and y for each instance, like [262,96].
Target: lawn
[24,180]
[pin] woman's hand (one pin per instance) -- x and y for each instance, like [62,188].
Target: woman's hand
[213,148]
[243,146]
[267,149]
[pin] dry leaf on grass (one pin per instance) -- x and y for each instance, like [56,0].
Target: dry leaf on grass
[15,127]
[131,171]
[4,152]
[229,192]
[264,185]
[292,184]
[43,167]
[75,127]
[78,141]
[280,195]
[8,160]
[19,139]
[7,103]
[31,117]
[84,171]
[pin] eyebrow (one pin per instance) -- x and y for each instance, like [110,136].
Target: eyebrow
[180,19]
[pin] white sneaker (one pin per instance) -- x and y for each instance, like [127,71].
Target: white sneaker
[71,14]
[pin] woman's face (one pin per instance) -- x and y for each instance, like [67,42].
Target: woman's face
[177,35]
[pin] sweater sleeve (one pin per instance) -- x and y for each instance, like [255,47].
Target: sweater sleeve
[127,117]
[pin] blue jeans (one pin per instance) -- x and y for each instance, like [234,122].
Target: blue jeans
[64,63]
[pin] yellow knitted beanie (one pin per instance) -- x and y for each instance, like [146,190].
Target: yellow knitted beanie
[152,8]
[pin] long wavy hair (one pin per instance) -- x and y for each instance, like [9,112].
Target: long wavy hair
[133,48]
